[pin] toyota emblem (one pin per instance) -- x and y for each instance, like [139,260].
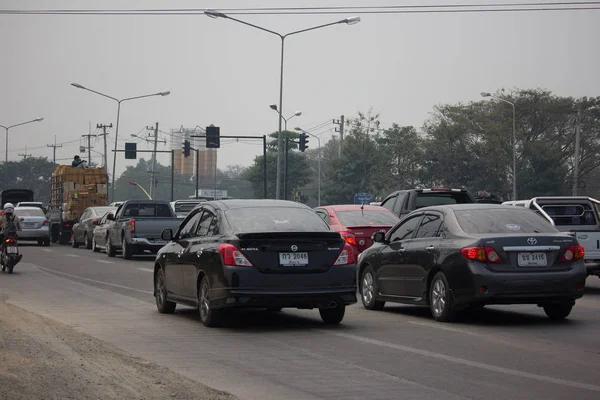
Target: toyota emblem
[532,241]
[294,247]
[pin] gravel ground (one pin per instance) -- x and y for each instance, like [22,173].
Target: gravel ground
[43,359]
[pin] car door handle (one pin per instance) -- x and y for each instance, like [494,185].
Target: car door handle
[401,250]
[199,253]
[429,249]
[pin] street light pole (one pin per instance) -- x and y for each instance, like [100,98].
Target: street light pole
[514,139]
[287,149]
[7,128]
[119,101]
[348,21]
[318,164]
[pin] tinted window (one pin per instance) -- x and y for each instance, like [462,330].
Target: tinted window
[38,212]
[430,225]
[163,211]
[441,198]
[183,207]
[273,219]
[406,230]
[572,214]
[513,220]
[389,203]
[399,203]
[189,228]
[367,217]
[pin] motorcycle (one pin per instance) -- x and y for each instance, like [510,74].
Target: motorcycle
[10,254]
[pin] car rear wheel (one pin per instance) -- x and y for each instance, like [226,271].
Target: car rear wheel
[440,299]
[95,248]
[74,243]
[558,312]
[163,305]
[86,240]
[208,316]
[127,250]
[46,242]
[110,250]
[368,290]
[333,316]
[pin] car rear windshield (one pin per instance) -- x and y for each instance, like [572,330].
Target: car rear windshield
[571,214]
[274,219]
[367,217]
[185,207]
[517,220]
[158,210]
[442,198]
[38,212]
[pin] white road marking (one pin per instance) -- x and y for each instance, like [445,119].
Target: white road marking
[146,269]
[474,364]
[105,261]
[51,271]
[48,250]
[71,255]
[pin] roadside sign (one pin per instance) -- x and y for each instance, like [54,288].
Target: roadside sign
[363,198]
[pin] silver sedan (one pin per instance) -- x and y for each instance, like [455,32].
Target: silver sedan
[34,225]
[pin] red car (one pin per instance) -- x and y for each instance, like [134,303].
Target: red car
[358,223]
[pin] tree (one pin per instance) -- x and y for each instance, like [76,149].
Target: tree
[33,173]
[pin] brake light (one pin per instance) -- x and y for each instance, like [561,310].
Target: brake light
[10,241]
[67,225]
[349,238]
[46,223]
[347,256]
[573,253]
[96,221]
[481,254]
[232,257]
[132,227]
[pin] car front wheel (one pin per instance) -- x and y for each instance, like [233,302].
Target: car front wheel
[368,290]
[558,312]
[208,316]
[440,299]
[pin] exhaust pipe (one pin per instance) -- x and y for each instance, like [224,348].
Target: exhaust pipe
[332,304]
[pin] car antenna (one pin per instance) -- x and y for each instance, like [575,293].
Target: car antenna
[362,209]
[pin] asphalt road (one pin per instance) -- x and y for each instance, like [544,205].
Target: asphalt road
[504,352]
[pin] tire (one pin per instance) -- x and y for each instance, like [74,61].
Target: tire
[95,248]
[558,312]
[208,316]
[440,299]
[110,250]
[46,242]
[40,242]
[87,242]
[10,268]
[74,244]
[368,290]
[127,250]
[333,316]
[163,305]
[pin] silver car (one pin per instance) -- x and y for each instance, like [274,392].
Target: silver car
[34,225]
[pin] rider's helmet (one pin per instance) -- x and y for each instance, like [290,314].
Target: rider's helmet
[9,208]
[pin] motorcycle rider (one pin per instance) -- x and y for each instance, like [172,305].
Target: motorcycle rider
[10,226]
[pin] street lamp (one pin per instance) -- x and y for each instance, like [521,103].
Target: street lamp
[347,21]
[141,187]
[318,164]
[287,149]
[119,101]
[514,139]
[6,128]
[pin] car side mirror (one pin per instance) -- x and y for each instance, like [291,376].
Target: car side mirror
[96,222]
[110,217]
[379,237]
[167,235]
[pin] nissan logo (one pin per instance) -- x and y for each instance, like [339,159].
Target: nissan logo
[532,241]
[294,248]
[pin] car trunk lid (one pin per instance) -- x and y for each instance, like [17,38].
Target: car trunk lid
[363,234]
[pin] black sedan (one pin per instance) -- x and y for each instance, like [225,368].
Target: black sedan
[255,254]
[459,256]
[83,230]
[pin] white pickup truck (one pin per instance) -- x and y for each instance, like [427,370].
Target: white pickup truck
[578,216]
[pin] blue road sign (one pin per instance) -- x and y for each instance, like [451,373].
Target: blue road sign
[363,198]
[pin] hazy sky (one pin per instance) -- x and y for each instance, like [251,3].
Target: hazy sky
[224,73]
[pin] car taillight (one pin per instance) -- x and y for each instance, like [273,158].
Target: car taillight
[67,225]
[46,223]
[349,238]
[232,257]
[573,253]
[481,254]
[132,227]
[11,240]
[347,256]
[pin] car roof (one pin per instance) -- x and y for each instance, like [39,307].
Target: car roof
[469,206]
[354,207]
[253,203]
[28,208]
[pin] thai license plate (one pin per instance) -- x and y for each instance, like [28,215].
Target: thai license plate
[29,225]
[12,249]
[532,260]
[293,259]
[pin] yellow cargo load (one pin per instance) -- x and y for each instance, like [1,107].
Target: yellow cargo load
[75,189]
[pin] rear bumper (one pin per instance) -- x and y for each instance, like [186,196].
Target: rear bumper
[141,244]
[523,288]
[248,287]
[592,267]
[34,234]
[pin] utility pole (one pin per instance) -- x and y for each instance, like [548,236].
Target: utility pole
[340,122]
[54,146]
[24,155]
[153,172]
[577,156]
[103,127]
[89,146]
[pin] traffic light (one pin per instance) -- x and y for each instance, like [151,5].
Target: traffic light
[213,137]
[303,142]
[187,149]
[130,151]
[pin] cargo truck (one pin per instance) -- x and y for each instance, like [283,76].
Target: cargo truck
[73,190]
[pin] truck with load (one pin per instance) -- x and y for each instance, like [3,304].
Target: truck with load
[72,191]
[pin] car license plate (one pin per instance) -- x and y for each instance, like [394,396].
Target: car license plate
[29,225]
[12,250]
[293,259]
[532,260]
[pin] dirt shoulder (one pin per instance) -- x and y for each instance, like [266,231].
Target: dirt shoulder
[43,359]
